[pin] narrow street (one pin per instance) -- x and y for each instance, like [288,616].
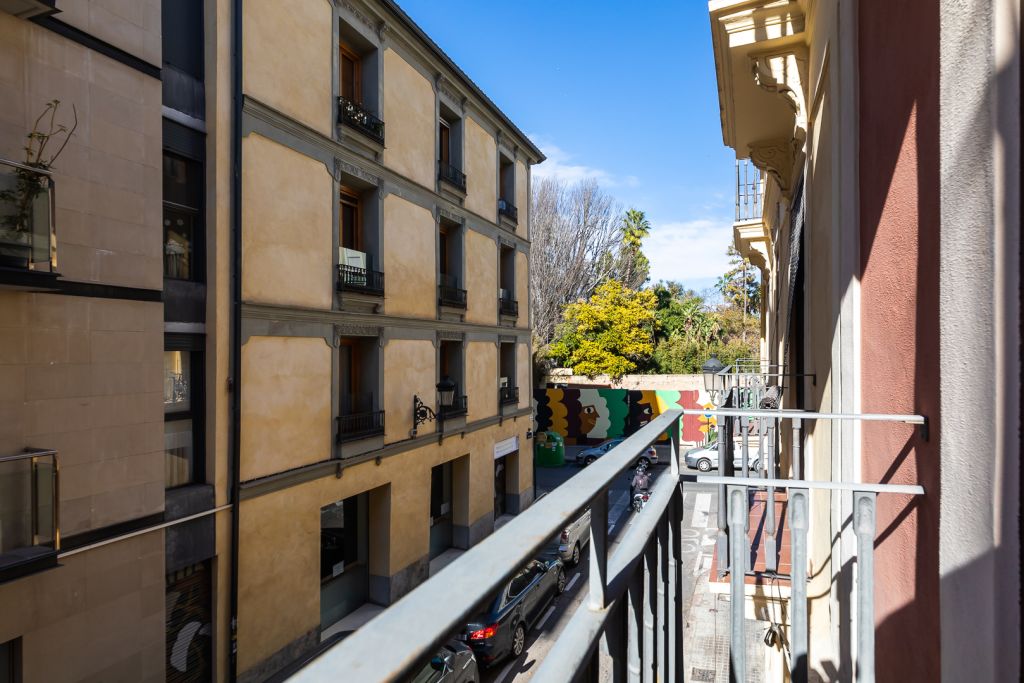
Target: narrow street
[697,544]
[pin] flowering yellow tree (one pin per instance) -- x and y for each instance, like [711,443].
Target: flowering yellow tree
[611,334]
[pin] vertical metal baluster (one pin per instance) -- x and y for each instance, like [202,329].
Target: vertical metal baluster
[598,551]
[798,512]
[661,648]
[634,619]
[673,446]
[746,446]
[677,672]
[613,643]
[650,575]
[672,609]
[770,542]
[737,592]
[864,527]
[798,461]
[722,542]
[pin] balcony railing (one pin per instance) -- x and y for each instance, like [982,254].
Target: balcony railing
[508,210]
[749,191]
[28,239]
[507,305]
[360,425]
[451,175]
[29,512]
[354,116]
[635,601]
[456,409]
[356,279]
[508,395]
[449,293]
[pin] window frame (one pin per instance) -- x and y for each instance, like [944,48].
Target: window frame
[346,52]
[197,258]
[194,345]
[350,197]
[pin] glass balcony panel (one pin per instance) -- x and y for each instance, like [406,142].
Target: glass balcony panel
[29,518]
[27,237]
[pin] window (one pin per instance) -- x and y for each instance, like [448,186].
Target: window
[181,24]
[10,661]
[508,180]
[351,75]
[339,537]
[445,136]
[183,233]
[351,227]
[182,414]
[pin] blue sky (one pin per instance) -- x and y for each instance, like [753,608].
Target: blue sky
[622,93]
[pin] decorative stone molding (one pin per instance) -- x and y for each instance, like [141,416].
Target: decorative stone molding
[506,339]
[776,158]
[350,330]
[448,335]
[343,167]
[370,22]
[784,75]
[450,215]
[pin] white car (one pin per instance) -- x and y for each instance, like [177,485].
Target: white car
[589,455]
[705,458]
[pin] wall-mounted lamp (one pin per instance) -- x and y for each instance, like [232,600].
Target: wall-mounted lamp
[421,412]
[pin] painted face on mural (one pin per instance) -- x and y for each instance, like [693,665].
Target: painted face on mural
[588,419]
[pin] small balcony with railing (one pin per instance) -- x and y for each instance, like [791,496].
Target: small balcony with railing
[29,513]
[508,212]
[451,174]
[752,229]
[458,408]
[354,116]
[28,237]
[449,293]
[508,396]
[507,306]
[356,274]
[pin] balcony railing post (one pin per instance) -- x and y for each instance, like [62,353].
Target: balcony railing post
[798,506]
[634,621]
[675,617]
[737,583]
[770,542]
[798,464]
[864,528]
[744,424]
[722,542]
[650,563]
[598,551]
[661,536]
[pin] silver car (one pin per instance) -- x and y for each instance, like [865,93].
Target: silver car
[572,539]
[587,456]
[705,458]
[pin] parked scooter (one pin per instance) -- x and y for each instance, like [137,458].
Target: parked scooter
[639,487]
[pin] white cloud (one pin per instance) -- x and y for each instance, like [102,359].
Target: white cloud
[692,252]
[559,165]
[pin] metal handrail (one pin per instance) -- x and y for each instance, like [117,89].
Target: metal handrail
[451,174]
[508,209]
[407,633]
[353,114]
[360,279]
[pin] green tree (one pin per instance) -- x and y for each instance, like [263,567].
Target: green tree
[739,285]
[635,267]
[612,333]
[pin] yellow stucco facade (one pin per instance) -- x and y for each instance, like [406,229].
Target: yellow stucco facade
[481,171]
[409,111]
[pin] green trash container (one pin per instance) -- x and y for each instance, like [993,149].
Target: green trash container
[549,449]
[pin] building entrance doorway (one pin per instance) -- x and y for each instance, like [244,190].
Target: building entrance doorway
[500,476]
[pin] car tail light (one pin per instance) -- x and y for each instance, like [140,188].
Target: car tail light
[646,497]
[484,633]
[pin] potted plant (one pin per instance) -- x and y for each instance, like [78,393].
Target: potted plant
[18,198]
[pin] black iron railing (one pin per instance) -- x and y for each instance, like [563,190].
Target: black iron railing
[452,175]
[360,425]
[508,210]
[749,191]
[507,305]
[351,114]
[449,293]
[507,395]
[458,407]
[356,279]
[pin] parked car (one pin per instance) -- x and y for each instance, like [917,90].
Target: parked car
[568,544]
[705,458]
[501,629]
[454,663]
[589,455]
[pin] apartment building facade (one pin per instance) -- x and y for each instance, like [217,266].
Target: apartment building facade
[883,209]
[262,358]
[384,325]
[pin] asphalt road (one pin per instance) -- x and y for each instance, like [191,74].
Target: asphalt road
[697,497]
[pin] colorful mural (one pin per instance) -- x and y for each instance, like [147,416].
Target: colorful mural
[592,415]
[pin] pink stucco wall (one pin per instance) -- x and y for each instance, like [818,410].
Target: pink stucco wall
[899,182]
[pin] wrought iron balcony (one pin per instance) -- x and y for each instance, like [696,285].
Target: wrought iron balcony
[356,279]
[749,191]
[29,512]
[508,210]
[457,408]
[360,425]
[507,305]
[449,293]
[28,240]
[451,175]
[354,116]
[636,593]
[508,395]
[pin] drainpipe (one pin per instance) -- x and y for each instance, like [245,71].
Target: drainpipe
[234,381]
